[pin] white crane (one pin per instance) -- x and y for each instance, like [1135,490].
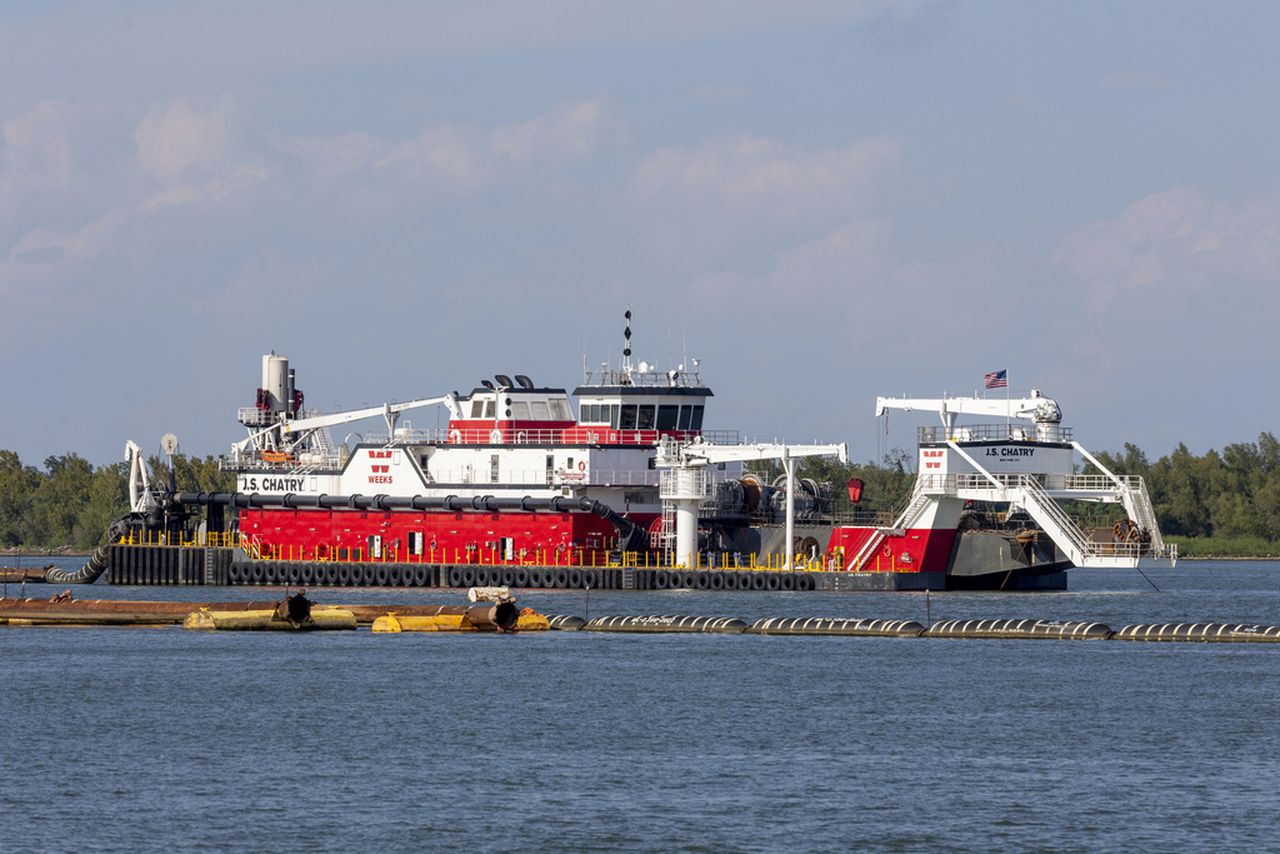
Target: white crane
[686,485]
[140,498]
[1044,411]
[288,433]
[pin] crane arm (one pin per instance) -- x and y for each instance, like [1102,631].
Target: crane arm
[317,422]
[949,407]
[711,454]
[387,409]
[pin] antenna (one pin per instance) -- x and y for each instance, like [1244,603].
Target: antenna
[626,344]
[169,443]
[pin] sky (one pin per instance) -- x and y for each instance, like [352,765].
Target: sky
[821,201]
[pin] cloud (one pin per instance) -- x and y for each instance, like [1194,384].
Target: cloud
[829,270]
[1171,242]
[754,173]
[567,131]
[183,136]
[462,157]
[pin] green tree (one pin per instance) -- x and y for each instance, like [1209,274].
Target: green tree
[58,501]
[18,483]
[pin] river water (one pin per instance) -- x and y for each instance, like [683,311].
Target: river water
[149,739]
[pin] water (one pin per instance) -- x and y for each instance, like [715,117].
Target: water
[119,739]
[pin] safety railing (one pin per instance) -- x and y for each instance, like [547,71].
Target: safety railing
[579,556]
[935,435]
[576,435]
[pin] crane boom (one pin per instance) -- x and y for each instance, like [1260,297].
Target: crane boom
[299,429]
[1036,407]
[386,410]
[706,453]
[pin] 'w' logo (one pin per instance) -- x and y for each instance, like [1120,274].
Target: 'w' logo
[381,469]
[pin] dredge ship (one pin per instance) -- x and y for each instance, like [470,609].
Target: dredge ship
[626,490]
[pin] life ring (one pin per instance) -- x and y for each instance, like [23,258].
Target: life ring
[455,436]
[582,465]
[888,551]
[522,437]
[433,544]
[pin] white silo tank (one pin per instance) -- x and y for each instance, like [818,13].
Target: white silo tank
[275,379]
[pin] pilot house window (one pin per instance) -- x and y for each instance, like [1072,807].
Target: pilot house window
[628,419]
[668,417]
[644,419]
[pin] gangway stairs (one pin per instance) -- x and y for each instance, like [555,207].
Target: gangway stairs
[920,500]
[1137,503]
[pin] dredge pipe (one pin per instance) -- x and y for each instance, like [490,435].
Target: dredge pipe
[835,626]
[666,624]
[1202,632]
[1021,629]
[503,616]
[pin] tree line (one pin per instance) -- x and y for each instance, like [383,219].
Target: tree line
[1227,495]
[70,502]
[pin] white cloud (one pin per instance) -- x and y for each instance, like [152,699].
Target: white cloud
[569,130]
[1174,241]
[438,153]
[183,136]
[830,271]
[753,173]
[462,157]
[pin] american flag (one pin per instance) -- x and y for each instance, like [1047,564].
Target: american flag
[996,379]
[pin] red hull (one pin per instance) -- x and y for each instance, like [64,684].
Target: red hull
[917,550]
[429,536]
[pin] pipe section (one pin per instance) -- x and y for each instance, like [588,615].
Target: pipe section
[667,624]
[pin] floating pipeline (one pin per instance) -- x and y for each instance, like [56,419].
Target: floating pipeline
[565,622]
[1017,629]
[63,610]
[1200,632]
[835,626]
[666,625]
[494,618]
[244,621]
[24,575]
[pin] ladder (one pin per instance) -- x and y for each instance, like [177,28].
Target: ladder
[919,501]
[1137,503]
[1055,521]
[665,539]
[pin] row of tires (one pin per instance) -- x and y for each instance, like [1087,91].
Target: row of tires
[676,579]
[267,572]
[271,573]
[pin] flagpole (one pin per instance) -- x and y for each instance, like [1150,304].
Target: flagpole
[1008,407]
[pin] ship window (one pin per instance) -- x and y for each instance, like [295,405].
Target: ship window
[520,410]
[613,415]
[477,409]
[695,423]
[589,412]
[494,466]
[628,419]
[541,412]
[560,410]
[488,409]
[685,413]
[644,421]
[667,417]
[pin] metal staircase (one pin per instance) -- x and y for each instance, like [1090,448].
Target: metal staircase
[1137,503]
[919,501]
[1058,525]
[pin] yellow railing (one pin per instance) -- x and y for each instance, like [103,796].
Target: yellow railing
[599,558]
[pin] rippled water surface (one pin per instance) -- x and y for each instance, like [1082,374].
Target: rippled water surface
[128,739]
